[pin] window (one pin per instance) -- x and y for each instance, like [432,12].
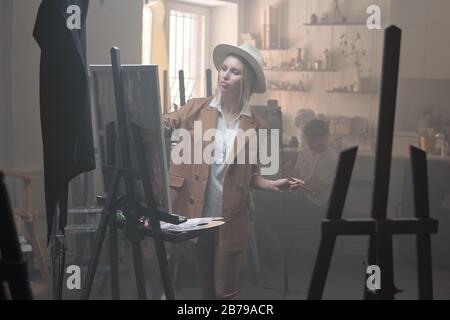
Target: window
[146,34]
[187,49]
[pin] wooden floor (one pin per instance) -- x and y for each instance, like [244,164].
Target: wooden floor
[345,282]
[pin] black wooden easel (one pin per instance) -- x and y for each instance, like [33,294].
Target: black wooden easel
[379,227]
[165,92]
[182,88]
[208,75]
[13,269]
[128,203]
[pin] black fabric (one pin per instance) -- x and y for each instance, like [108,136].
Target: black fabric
[64,100]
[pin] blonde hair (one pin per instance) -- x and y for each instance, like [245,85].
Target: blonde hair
[247,84]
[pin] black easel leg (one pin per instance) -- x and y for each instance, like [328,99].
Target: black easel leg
[424,267]
[100,236]
[371,260]
[321,267]
[113,255]
[422,208]
[93,263]
[61,270]
[57,271]
[138,265]
[62,250]
[164,268]
[386,264]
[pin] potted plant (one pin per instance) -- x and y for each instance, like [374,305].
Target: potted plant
[351,50]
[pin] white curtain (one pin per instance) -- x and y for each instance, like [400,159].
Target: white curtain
[155,51]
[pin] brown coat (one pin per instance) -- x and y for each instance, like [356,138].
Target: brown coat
[188,182]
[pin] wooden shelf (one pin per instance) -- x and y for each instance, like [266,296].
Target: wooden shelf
[299,70]
[288,90]
[273,49]
[335,24]
[352,92]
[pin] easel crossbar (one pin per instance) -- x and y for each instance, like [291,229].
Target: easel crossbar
[368,226]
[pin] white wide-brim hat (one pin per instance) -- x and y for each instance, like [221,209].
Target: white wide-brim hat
[248,53]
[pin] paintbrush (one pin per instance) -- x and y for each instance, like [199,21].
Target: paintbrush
[300,181]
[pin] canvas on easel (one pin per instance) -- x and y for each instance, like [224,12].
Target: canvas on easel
[139,89]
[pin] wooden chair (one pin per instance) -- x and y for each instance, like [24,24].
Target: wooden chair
[26,214]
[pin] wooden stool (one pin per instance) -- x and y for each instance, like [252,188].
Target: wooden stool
[27,215]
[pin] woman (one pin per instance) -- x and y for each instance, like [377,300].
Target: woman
[219,188]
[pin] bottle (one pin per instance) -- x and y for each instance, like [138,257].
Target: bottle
[299,57]
[440,141]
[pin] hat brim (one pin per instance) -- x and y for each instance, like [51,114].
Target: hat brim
[224,50]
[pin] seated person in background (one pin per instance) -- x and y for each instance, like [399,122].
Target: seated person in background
[316,164]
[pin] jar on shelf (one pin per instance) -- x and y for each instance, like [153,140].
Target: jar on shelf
[299,59]
[441,145]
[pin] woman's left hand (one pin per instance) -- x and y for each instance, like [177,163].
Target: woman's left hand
[281,185]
